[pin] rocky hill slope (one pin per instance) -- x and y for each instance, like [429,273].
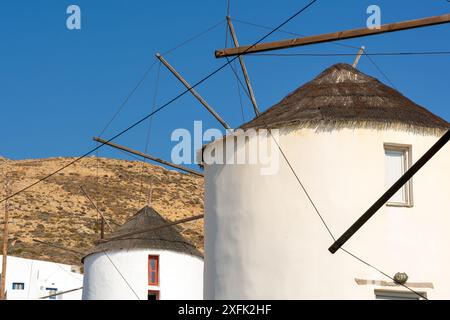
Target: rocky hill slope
[56,211]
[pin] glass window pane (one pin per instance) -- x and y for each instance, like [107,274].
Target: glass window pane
[153,277]
[153,265]
[18,286]
[395,168]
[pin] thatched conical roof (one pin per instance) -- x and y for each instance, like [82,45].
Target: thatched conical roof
[167,238]
[343,96]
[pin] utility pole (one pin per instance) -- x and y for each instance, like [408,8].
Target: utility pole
[5,237]
[4,253]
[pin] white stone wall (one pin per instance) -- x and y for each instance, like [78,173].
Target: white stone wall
[263,239]
[180,276]
[38,275]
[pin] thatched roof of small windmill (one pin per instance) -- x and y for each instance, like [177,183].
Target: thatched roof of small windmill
[166,238]
[342,96]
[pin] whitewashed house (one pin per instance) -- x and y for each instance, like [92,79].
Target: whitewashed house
[28,279]
[348,137]
[137,264]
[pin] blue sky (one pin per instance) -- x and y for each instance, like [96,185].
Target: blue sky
[59,88]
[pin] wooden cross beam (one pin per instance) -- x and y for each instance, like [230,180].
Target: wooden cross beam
[147,156]
[342,35]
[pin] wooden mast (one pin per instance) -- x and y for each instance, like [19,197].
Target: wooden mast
[102,228]
[194,93]
[342,35]
[244,69]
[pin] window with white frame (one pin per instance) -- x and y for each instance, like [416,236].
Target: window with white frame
[397,162]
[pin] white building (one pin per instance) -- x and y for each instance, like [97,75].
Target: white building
[348,137]
[28,279]
[146,265]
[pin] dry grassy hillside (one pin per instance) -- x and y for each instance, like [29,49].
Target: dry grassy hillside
[56,211]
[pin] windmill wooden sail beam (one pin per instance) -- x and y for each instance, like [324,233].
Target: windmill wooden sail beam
[60,293]
[391,192]
[78,254]
[342,35]
[149,157]
[244,69]
[194,93]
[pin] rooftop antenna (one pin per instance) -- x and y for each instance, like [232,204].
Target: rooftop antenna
[244,69]
[358,57]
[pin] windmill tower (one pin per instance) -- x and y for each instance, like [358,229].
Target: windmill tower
[348,137]
[138,264]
